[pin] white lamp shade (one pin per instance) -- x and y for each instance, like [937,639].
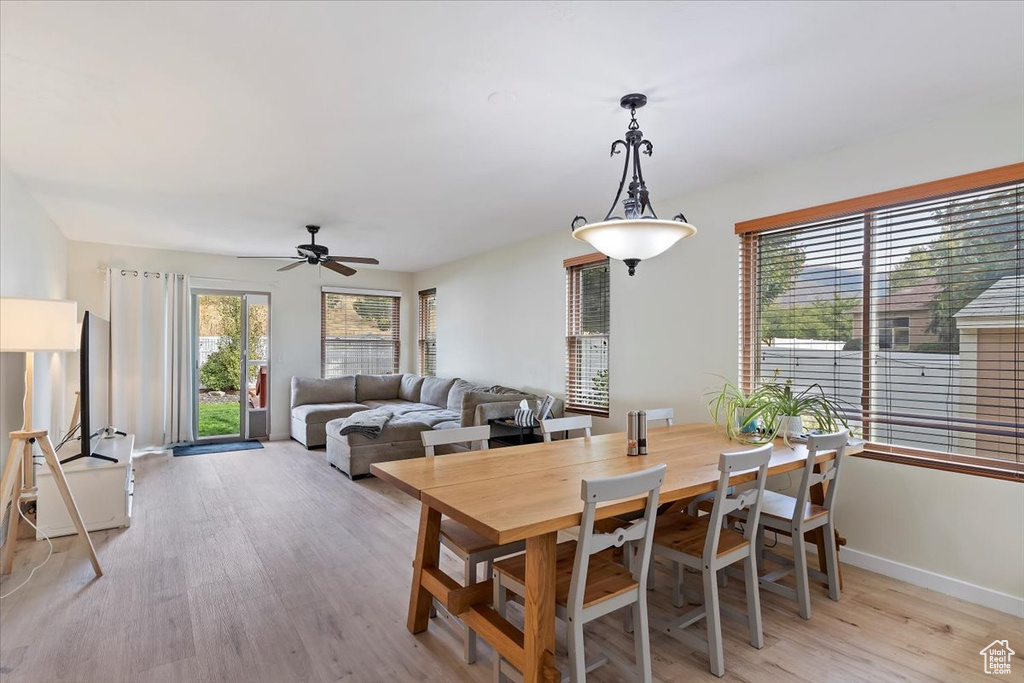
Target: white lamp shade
[633,239]
[38,325]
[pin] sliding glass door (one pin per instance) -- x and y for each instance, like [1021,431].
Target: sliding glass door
[232,370]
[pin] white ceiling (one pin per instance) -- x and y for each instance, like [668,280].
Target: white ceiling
[423,132]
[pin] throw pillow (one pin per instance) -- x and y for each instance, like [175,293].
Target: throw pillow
[410,388]
[377,387]
[458,390]
[434,391]
[306,390]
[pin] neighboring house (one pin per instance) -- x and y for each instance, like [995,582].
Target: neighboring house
[997,657]
[903,318]
[991,381]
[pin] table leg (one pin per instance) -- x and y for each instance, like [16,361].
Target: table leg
[539,623]
[428,552]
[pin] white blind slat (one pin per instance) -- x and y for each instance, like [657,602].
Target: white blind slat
[359,333]
[910,316]
[428,332]
[587,330]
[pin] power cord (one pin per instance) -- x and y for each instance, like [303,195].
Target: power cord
[49,554]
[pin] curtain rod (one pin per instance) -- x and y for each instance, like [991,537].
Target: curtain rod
[147,273]
[132,272]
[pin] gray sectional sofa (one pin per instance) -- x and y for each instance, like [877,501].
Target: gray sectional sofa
[320,406]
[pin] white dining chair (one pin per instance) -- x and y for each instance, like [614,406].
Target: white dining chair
[598,585]
[666,414]
[797,516]
[704,545]
[469,546]
[566,424]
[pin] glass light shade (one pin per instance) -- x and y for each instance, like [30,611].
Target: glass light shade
[633,239]
[38,325]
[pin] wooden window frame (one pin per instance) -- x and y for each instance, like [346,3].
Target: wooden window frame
[868,205]
[569,265]
[422,330]
[396,336]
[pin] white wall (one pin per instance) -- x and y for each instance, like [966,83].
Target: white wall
[33,264]
[294,308]
[676,322]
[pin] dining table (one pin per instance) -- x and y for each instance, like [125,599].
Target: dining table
[530,493]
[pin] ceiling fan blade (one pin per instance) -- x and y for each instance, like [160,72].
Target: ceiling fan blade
[354,259]
[290,266]
[338,268]
[277,257]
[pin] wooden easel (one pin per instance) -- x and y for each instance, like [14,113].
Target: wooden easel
[11,491]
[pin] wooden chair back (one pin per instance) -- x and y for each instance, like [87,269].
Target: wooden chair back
[442,437]
[565,424]
[641,531]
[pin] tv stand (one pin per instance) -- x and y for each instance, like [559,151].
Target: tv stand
[103,490]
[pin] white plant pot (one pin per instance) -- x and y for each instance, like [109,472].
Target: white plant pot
[791,426]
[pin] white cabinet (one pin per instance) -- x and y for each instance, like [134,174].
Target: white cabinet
[102,490]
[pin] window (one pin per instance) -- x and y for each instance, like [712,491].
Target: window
[428,332]
[586,334]
[908,307]
[359,332]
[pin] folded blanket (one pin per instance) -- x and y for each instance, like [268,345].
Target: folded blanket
[369,423]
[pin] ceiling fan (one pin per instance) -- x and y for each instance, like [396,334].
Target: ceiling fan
[318,255]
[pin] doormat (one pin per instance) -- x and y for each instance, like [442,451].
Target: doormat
[204,448]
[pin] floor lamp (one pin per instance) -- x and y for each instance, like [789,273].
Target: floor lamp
[31,325]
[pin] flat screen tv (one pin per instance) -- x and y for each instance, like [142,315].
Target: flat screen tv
[94,386]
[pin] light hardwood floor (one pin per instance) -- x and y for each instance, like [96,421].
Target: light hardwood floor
[271,566]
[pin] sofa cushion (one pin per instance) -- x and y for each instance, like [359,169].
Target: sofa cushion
[377,387]
[307,390]
[458,390]
[389,403]
[409,389]
[435,391]
[474,398]
[404,426]
[325,412]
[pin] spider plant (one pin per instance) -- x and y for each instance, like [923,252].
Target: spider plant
[735,408]
[780,406]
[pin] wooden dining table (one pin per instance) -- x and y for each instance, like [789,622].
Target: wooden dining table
[531,493]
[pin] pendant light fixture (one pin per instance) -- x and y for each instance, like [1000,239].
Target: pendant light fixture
[639,234]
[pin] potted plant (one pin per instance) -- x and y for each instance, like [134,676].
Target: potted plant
[783,410]
[736,409]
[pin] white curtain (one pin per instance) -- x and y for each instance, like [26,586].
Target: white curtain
[151,356]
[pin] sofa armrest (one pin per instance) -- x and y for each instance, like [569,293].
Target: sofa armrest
[492,411]
[496,409]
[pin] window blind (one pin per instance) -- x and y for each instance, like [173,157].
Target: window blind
[428,332]
[587,328]
[911,315]
[359,333]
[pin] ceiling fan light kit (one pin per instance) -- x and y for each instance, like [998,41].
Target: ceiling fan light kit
[318,255]
[638,234]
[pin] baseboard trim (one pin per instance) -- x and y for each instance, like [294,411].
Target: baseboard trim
[279,437]
[947,585]
[979,595]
